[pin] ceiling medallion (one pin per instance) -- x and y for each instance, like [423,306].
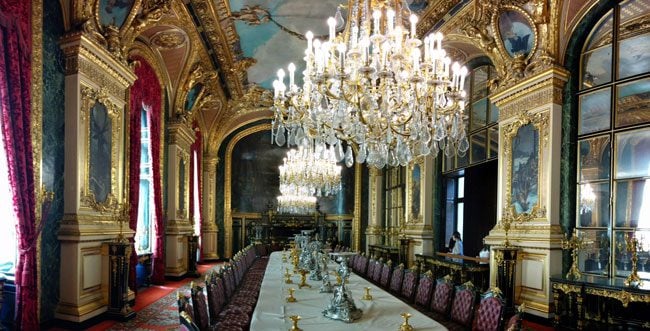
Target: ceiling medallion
[169,39]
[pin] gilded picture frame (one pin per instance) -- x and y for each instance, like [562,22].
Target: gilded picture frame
[182,185]
[92,101]
[516,32]
[520,168]
[414,192]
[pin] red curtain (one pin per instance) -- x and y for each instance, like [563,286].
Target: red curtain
[146,90]
[196,147]
[15,108]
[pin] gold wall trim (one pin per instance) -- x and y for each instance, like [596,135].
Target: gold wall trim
[356,222]
[227,205]
[37,128]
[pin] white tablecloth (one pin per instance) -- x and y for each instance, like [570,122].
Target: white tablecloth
[382,313]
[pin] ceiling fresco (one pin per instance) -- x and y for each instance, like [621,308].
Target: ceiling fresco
[271,31]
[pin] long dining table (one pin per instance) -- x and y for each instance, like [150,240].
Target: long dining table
[381,313]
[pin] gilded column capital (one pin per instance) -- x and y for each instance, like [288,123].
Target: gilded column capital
[374,230]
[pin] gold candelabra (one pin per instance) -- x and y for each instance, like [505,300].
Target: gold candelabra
[294,320]
[367,296]
[631,246]
[405,326]
[574,244]
[291,298]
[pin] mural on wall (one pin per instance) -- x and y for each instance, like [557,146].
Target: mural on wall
[272,32]
[255,178]
[100,152]
[525,163]
[517,34]
[192,95]
[415,188]
[114,12]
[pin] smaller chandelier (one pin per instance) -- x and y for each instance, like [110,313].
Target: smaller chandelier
[295,200]
[377,87]
[313,167]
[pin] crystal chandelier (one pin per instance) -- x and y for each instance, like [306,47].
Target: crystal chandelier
[376,87]
[295,199]
[312,167]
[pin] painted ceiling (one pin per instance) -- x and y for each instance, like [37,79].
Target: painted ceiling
[272,31]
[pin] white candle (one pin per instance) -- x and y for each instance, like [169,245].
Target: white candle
[376,14]
[390,16]
[463,73]
[281,75]
[416,60]
[414,22]
[309,35]
[292,70]
[439,38]
[332,24]
[276,88]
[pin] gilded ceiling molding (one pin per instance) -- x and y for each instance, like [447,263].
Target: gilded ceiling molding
[84,15]
[214,17]
[227,204]
[477,24]
[254,105]
[434,13]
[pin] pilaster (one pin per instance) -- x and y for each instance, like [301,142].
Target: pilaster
[536,232]
[209,229]
[181,137]
[94,192]
[419,213]
[375,227]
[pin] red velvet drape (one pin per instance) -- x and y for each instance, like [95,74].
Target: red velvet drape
[15,109]
[146,90]
[196,147]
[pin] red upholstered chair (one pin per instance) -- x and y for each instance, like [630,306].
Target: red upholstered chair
[441,301]
[396,279]
[489,315]
[201,317]
[371,268]
[376,274]
[384,281]
[185,306]
[216,299]
[425,288]
[462,308]
[187,324]
[409,284]
[514,323]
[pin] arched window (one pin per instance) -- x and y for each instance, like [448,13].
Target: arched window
[144,232]
[8,243]
[613,146]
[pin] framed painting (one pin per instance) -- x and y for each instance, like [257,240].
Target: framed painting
[523,143]
[114,12]
[414,184]
[516,32]
[102,120]
[183,184]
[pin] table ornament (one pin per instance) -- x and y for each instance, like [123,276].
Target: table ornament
[405,326]
[633,280]
[367,296]
[342,306]
[294,319]
[287,277]
[291,298]
[303,278]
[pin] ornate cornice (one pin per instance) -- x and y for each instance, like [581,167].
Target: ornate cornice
[213,16]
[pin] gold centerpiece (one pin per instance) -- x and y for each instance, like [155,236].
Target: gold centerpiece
[631,246]
[574,244]
[294,319]
[291,298]
[303,278]
[367,296]
[405,326]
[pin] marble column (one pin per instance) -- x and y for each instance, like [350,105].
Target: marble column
[209,229]
[94,194]
[535,101]
[375,209]
[179,227]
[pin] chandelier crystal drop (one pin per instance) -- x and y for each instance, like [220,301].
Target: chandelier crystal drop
[377,87]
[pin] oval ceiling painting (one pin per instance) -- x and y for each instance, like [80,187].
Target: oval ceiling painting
[517,34]
[114,12]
